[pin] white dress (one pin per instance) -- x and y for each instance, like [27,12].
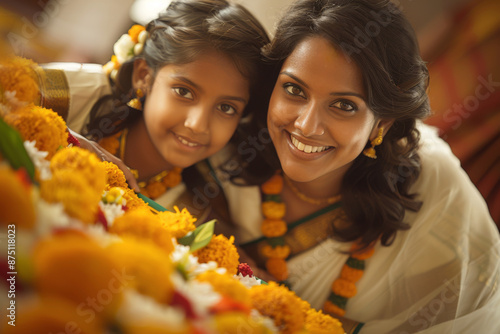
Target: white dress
[440,276]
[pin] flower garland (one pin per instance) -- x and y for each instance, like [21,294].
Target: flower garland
[156,185]
[277,251]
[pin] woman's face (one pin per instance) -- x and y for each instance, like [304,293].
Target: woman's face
[318,118]
[192,110]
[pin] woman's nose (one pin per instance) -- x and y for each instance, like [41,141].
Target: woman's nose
[309,121]
[197,119]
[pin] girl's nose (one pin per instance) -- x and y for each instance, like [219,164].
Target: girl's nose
[198,119]
[309,121]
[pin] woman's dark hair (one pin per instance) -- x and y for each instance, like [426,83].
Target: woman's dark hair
[181,34]
[376,36]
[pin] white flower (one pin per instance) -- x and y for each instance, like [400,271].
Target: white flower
[247,280]
[124,48]
[111,211]
[50,216]
[38,158]
[201,295]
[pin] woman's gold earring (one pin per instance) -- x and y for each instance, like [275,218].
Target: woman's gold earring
[370,152]
[135,102]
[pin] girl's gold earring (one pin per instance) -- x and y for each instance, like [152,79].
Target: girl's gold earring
[135,102]
[370,152]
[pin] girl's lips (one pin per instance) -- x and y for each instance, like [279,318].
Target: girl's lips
[187,142]
[305,151]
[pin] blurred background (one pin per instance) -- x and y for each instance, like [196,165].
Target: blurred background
[459,39]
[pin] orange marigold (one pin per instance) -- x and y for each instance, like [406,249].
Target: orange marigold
[134,32]
[280,252]
[273,227]
[70,188]
[237,323]
[319,323]
[142,223]
[71,265]
[273,210]
[17,205]
[133,201]
[111,143]
[363,255]
[278,268]
[331,308]
[227,286]
[280,304]
[351,274]
[273,186]
[179,223]
[115,176]
[76,158]
[18,75]
[147,266]
[173,177]
[40,124]
[344,288]
[221,250]
[155,189]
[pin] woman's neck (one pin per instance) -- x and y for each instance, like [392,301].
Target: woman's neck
[141,154]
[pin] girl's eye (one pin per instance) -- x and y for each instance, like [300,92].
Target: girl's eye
[345,105]
[227,109]
[294,90]
[183,92]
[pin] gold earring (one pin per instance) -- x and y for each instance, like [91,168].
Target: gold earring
[135,102]
[370,152]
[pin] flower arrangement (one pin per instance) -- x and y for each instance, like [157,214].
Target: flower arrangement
[88,255]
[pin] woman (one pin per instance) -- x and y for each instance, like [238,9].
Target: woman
[369,215]
[196,72]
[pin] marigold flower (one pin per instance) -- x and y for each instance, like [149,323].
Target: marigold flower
[86,162]
[227,286]
[273,210]
[363,255]
[17,75]
[70,188]
[273,186]
[221,250]
[133,201]
[142,223]
[155,189]
[179,223]
[134,32]
[173,178]
[331,308]
[237,323]
[71,265]
[273,227]
[115,176]
[278,268]
[42,125]
[280,252]
[146,264]
[351,274]
[344,288]
[111,143]
[280,304]
[17,205]
[319,323]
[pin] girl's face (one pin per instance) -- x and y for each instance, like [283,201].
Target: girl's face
[192,110]
[318,118]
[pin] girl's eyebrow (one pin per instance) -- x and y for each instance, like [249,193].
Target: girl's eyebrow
[334,93]
[191,83]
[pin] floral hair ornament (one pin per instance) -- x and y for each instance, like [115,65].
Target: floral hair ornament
[127,47]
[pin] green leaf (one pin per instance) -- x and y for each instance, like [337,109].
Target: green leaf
[12,149]
[200,237]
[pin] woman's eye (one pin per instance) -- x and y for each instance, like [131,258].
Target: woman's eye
[227,109]
[183,92]
[294,90]
[345,105]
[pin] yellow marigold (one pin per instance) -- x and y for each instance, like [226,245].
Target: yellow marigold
[142,223]
[111,143]
[70,188]
[351,274]
[280,304]
[278,268]
[319,323]
[146,265]
[86,162]
[227,286]
[344,288]
[273,186]
[221,250]
[331,308]
[17,75]
[155,189]
[179,223]
[16,204]
[133,201]
[273,210]
[40,124]
[136,326]
[115,176]
[134,32]
[71,265]
[280,252]
[173,178]
[237,323]
[53,315]
[273,227]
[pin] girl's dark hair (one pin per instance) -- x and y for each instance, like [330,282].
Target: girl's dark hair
[376,36]
[181,34]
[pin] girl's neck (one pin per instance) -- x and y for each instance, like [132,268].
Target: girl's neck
[141,154]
